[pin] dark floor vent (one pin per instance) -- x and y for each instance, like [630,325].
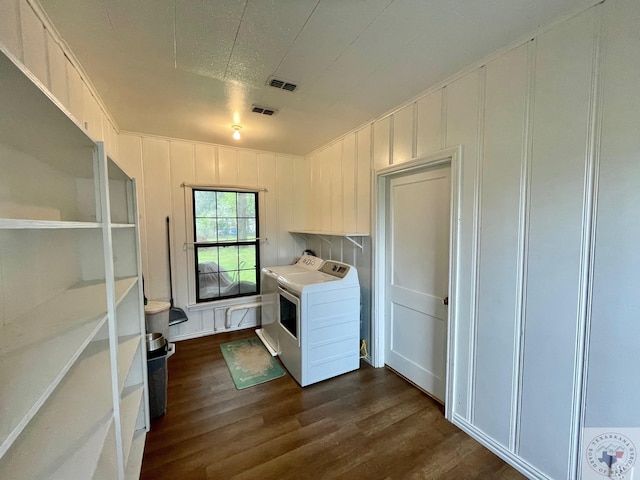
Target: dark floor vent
[282,85]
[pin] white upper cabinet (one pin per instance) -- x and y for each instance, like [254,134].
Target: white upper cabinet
[9,27]
[33,43]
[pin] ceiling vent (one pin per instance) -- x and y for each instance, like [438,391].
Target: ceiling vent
[263,110]
[282,84]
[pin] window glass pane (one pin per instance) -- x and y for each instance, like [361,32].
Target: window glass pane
[209,277]
[246,204]
[229,259]
[206,229]
[247,255]
[227,229]
[226,204]
[207,254]
[246,228]
[248,282]
[205,203]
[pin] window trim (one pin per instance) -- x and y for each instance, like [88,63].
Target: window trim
[197,245]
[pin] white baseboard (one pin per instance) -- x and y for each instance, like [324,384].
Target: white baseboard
[205,333]
[516,462]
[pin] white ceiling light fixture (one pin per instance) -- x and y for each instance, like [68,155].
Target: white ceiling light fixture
[236,131]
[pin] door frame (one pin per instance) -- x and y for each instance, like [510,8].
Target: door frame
[382,177]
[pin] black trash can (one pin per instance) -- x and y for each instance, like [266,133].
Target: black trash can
[158,379]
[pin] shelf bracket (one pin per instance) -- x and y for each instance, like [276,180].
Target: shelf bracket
[298,234]
[360,245]
[319,235]
[325,239]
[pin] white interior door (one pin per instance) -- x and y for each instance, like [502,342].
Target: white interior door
[417,266]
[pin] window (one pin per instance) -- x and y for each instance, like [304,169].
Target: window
[226,244]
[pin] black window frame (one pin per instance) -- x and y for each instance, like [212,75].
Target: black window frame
[206,244]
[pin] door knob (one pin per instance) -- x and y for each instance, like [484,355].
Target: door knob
[445,301]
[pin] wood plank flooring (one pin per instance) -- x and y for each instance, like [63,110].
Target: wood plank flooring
[368,424]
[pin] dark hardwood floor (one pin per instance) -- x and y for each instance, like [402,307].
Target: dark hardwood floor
[368,424]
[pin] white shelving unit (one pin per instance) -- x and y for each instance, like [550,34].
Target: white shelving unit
[352,237]
[73,376]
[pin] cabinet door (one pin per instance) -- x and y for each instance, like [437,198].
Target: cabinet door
[9,32]
[33,43]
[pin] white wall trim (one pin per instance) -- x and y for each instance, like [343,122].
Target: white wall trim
[590,204]
[523,248]
[452,156]
[414,132]
[392,134]
[475,247]
[443,117]
[517,462]
[454,284]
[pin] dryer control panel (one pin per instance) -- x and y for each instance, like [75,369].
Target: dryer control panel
[336,269]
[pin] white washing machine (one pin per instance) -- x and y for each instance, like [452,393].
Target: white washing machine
[318,322]
[269,278]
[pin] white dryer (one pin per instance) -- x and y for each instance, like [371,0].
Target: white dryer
[318,322]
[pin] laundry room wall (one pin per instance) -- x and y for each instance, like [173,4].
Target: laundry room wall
[160,166]
[546,300]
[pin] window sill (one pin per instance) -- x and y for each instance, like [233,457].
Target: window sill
[223,303]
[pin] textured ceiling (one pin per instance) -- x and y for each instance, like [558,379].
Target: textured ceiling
[192,68]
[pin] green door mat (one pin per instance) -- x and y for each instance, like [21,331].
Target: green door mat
[249,362]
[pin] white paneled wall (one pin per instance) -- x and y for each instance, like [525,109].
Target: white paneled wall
[288,246]
[615,307]
[403,135]
[548,131]
[500,197]
[269,227]
[28,37]
[429,123]
[463,128]
[381,135]
[163,165]
[553,317]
